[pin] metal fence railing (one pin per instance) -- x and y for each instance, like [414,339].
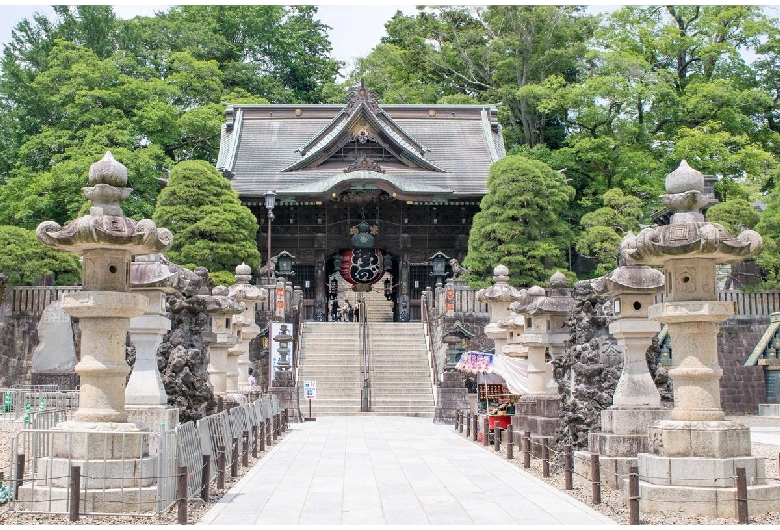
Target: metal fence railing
[128,473]
[20,402]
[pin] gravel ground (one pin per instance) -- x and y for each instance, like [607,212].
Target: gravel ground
[612,504]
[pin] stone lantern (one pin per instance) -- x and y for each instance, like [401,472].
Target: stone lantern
[107,240]
[221,308]
[545,332]
[249,294]
[284,349]
[694,455]
[498,298]
[636,403]
[145,397]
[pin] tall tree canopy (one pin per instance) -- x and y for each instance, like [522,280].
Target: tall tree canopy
[520,224]
[150,89]
[210,226]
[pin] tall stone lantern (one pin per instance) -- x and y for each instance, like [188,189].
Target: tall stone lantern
[249,294]
[498,298]
[104,307]
[692,466]
[545,332]
[636,403]
[220,338]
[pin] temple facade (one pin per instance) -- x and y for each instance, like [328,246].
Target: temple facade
[371,191]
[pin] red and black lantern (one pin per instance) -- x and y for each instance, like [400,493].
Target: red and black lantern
[362,265]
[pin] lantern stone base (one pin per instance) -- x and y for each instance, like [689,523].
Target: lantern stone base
[453,396]
[150,417]
[624,436]
[288,399]
[140,500]
[703,486]
[537,414]
[692,469]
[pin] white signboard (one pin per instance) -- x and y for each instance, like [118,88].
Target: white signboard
[310,389]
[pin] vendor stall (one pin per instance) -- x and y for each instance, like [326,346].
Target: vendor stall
[493,396]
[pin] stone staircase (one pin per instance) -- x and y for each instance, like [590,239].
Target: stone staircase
[399,372]
[379,309]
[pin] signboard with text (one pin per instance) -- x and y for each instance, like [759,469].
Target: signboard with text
[310,389]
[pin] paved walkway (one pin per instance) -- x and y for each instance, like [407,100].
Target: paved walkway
[390,470]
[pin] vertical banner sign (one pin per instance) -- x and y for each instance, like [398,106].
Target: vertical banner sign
[273,348]
[449,300]
[310,389]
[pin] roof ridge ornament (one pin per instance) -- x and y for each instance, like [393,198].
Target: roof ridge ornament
[362,96]
[364,164]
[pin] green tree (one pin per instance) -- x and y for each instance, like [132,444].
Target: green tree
[210,226]
[734,215]
[519,223]
[26,261]
[604,228]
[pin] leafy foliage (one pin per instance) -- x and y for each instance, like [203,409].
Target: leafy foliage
[210,226]
[25,261]
[520,224]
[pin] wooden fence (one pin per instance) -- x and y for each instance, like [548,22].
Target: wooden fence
[35,299]
[760,303]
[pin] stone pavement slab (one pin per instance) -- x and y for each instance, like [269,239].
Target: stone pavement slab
[390,470]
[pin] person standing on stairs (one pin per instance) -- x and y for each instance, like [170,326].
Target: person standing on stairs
[346,311]
[334,310]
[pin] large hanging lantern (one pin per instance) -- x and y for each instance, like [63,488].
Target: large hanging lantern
[362,264]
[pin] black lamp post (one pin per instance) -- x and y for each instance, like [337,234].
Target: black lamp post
[270,202]
[285,263]
[438,264]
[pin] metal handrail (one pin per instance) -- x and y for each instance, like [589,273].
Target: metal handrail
[425,316]
[365,392]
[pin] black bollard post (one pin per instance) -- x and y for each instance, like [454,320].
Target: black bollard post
[742,501]
[485,430]
[527,449]
[460,423]
[545,458]
[261,434]
[234,459]
[205,475]
[468,425]
[474,427]
[633,495]
[245,450]
[75,492]
[181,495]
[221,467]
[496,437]
[595,477]
[567,472]
[19,474]
[268,437]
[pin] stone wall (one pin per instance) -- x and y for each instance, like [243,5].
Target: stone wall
[742,387]
[18,339]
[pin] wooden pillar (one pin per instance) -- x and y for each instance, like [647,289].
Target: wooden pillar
[404,287]
[320,280]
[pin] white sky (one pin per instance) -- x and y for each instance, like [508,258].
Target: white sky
[356,29]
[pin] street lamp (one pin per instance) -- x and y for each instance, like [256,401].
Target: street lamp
[285,263]
[438,264]
[270,202]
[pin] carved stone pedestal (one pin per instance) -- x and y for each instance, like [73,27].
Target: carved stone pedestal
[540,416]
[453,396]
